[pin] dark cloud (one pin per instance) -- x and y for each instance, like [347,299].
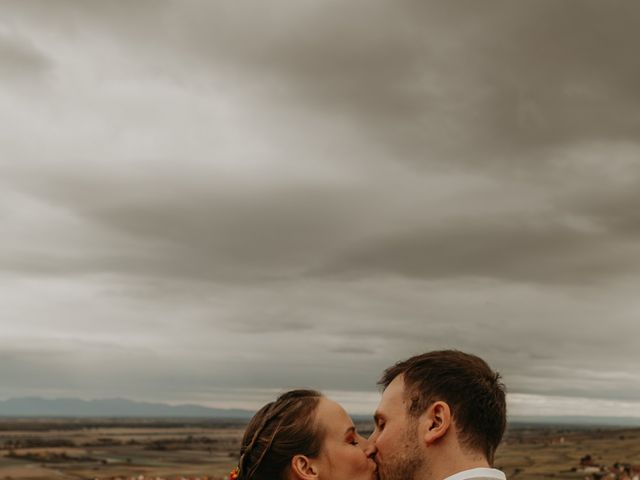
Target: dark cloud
[529,250]
[512,78]
[203,234]
[612,209]
[353,350]
[20,60]
[206,197]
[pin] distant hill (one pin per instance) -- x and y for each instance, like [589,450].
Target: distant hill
[110,407]
[121,407]
[535,421]
[575,420]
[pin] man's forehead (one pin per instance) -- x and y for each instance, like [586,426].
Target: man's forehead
[393,396]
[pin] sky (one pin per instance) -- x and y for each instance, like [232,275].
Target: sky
[211,202]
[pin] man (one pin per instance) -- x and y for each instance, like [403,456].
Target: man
[441,416]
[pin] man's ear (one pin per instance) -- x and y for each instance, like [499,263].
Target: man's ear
[303,468]
[437,422]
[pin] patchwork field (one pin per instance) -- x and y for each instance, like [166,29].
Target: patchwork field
[174,449]
[565,453]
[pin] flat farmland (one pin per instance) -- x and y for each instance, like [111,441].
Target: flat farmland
[106,449]
[570,453]
[38,449]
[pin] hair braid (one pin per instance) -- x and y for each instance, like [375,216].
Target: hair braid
[264,452]
[293,433]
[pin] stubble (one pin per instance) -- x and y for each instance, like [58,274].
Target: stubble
[407,461]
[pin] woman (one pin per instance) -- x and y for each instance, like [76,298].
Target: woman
[303,436]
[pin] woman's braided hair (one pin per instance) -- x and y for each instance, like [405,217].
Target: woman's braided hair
[280,430]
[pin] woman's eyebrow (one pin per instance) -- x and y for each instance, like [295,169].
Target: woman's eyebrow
[350,429]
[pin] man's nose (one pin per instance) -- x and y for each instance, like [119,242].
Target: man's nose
[370,447]
[371,450]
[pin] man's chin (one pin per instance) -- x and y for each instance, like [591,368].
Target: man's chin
[381,474]
[405,468]
[376,472]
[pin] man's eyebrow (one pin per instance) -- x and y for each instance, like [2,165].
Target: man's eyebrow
[377,417]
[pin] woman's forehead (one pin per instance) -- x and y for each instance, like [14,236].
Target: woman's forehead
[332,417]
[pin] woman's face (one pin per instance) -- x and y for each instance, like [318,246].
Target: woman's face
[343,454]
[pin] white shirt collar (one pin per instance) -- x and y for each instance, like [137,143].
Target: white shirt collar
[478,472]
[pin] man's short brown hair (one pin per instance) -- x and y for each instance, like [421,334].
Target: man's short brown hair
[473,391]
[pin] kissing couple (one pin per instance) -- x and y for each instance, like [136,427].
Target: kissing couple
[441,416]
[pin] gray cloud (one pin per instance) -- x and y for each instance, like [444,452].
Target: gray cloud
[514,77]
[20,60]
[535,250]
[203,198]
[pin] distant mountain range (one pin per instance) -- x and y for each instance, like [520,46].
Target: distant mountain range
[123,408]
[575,420]
[110,407]
[540,421]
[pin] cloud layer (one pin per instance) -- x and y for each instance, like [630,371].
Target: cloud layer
[199,198]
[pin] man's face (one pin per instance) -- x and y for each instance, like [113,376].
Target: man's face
[399,454]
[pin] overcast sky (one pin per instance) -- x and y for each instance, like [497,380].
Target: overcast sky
[213,201]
